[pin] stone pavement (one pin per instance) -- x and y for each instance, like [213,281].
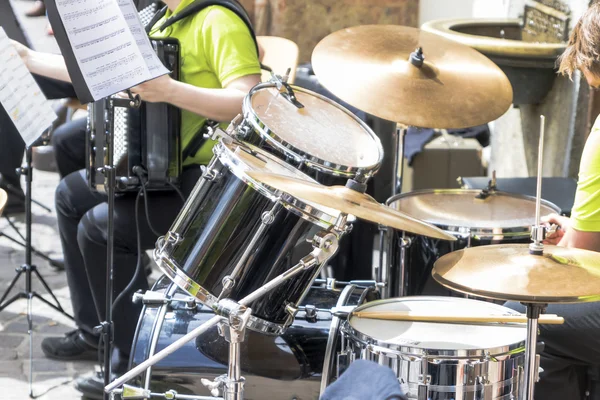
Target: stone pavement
[52,379]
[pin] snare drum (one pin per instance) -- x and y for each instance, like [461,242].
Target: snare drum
[322,135]
[499,218]
[441,361]
[234,234]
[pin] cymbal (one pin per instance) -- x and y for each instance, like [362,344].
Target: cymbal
[368,67]
[509,272]
[350,202]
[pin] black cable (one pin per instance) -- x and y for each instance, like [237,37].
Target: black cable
[154,231]
[179,192]
[138,267]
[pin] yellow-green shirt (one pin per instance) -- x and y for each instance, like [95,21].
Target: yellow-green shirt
[586,209]
[216,48]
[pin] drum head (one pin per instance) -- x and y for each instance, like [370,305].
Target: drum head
[323,134]
[437,336]
[454,209]
[240,158]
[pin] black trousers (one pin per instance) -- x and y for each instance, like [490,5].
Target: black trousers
[569,350]
[82,220]
[68,141]
[12,146]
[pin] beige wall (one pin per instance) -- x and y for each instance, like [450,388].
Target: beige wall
[306,22]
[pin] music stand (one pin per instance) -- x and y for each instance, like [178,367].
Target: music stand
[28,268]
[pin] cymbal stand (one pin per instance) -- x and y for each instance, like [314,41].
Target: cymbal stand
[384,271]
[534,309]
[325,245]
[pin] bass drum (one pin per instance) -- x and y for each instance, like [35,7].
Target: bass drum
[287,366]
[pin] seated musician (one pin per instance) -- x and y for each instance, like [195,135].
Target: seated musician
[572,348]
[219,67]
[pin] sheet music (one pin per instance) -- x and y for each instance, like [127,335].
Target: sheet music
[105,46]
[139,33]
[20,94]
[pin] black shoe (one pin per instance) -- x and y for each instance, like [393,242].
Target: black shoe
[91,386]
[16,197]
[75,345]
[57,263]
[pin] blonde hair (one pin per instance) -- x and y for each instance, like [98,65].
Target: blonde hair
[583,49]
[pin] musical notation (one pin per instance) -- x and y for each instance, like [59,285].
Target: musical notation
[110,45]
[21,96]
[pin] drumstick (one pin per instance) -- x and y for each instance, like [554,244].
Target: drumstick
[551,319]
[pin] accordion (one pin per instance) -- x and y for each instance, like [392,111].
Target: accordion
[144,142]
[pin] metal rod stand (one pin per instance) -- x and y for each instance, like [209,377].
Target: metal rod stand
[28,269]
[384,272]
[532,367]
[106,327]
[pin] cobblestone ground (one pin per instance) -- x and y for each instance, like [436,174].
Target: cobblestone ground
[51,379]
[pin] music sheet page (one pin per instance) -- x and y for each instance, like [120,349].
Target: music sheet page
[141,38]
[105,47]
[20,94]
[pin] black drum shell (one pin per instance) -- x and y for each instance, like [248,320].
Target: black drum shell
[223,225]
[286,366]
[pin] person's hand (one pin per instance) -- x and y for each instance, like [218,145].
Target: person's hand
[562,223]
[154,91]
[23,51]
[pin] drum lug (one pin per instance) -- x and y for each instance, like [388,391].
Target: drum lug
[268,217]
[173,238]
[210,174]
[310,313]
[405,242]
[291,310]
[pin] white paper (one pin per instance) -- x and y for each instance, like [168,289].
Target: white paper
[20,94]
[141,38]
[105,46]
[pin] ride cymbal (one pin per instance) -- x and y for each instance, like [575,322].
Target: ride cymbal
[368,67]
[510,272]
[350,202]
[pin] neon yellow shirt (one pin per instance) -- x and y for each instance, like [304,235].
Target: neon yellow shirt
[216,48]
[586,210]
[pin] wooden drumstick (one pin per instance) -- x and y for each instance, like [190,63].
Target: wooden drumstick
[551,319]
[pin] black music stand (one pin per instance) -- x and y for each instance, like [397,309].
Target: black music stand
[28,268]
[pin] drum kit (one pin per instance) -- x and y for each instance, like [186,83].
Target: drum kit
[242,258]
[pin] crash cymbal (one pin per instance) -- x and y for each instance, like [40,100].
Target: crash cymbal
[368,67]
[350,202]
[510,272]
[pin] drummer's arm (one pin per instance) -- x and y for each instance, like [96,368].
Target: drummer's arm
[581,239]
[582,230]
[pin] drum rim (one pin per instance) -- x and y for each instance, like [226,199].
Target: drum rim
[299,155]
[413,351]
[296,206]
[522,231]
[178,277]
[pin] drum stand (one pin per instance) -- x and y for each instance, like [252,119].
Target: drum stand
[325,245]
